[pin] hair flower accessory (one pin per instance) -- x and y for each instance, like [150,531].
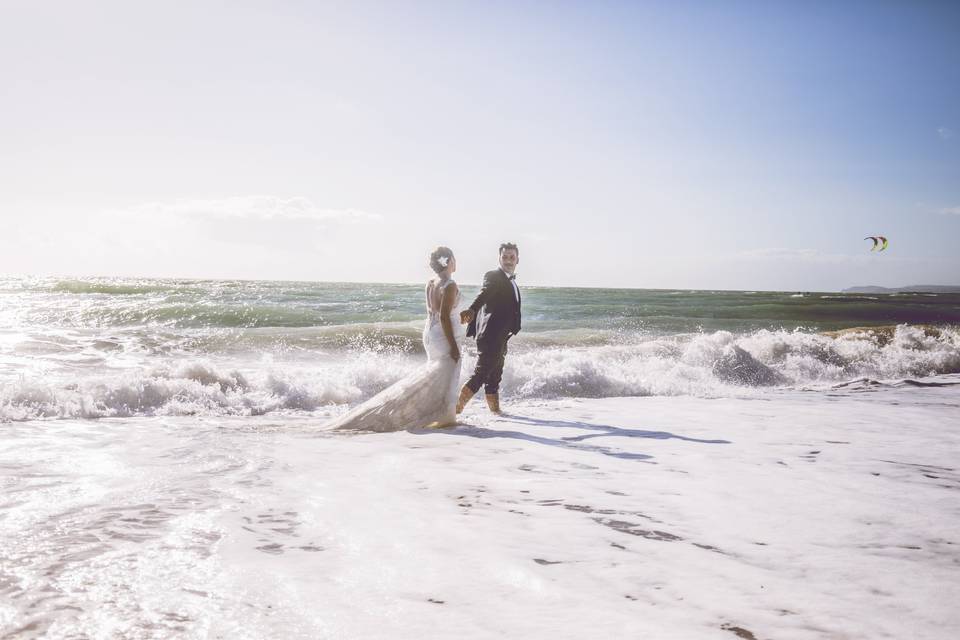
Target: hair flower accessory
[443,261]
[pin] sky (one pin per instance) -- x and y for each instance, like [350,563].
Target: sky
[702,145]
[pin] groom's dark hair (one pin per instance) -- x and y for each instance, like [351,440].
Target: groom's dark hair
[506,246]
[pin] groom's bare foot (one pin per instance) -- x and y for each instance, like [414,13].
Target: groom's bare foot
[465,395]
[493,401]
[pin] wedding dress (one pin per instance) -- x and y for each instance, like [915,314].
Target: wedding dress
[427,397]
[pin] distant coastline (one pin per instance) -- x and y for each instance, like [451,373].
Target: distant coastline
[914,288]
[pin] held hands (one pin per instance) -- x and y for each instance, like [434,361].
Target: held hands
[455,353]
[466,316]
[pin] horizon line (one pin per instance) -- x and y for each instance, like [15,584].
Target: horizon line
[533,286]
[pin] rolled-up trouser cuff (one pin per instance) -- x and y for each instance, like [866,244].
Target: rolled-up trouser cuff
[489,369]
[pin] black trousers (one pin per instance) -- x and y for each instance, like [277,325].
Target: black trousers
[489,370]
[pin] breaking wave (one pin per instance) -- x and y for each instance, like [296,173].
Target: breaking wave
[707,365]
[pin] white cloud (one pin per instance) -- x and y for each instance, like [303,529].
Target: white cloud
[945,133]
[950,211]
[273,208]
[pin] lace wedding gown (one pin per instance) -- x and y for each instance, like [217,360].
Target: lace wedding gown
[427,397]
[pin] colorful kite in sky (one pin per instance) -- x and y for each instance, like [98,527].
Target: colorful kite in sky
[878,241]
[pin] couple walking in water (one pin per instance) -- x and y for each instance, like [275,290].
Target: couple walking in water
[430,397]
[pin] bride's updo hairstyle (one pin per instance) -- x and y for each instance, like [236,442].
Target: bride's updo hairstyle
[440,259]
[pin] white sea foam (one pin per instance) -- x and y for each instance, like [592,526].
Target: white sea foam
[200,388]
[672,518]
[705,365]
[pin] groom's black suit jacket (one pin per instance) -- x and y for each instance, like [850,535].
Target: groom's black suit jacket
[496,309]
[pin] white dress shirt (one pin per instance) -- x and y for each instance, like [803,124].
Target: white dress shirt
[516,291]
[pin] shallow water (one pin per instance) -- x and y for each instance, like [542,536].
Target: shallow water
[792,513]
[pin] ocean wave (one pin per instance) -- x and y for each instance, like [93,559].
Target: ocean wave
[175,311]
[704,365]
[198,315]
[114,304]
[199,388]
[117,288]
[395,337]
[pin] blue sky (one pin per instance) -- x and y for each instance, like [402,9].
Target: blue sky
[741,145]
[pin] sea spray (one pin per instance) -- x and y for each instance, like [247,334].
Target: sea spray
[705,365]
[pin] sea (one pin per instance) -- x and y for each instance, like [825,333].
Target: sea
[669,463]
[123,347]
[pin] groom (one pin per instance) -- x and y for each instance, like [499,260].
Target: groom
[494,316]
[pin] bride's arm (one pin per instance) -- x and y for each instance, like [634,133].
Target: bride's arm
[446,307]
[426,295]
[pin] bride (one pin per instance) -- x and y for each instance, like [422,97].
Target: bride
[428,397]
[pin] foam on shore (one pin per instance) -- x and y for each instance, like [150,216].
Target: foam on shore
[659,517]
